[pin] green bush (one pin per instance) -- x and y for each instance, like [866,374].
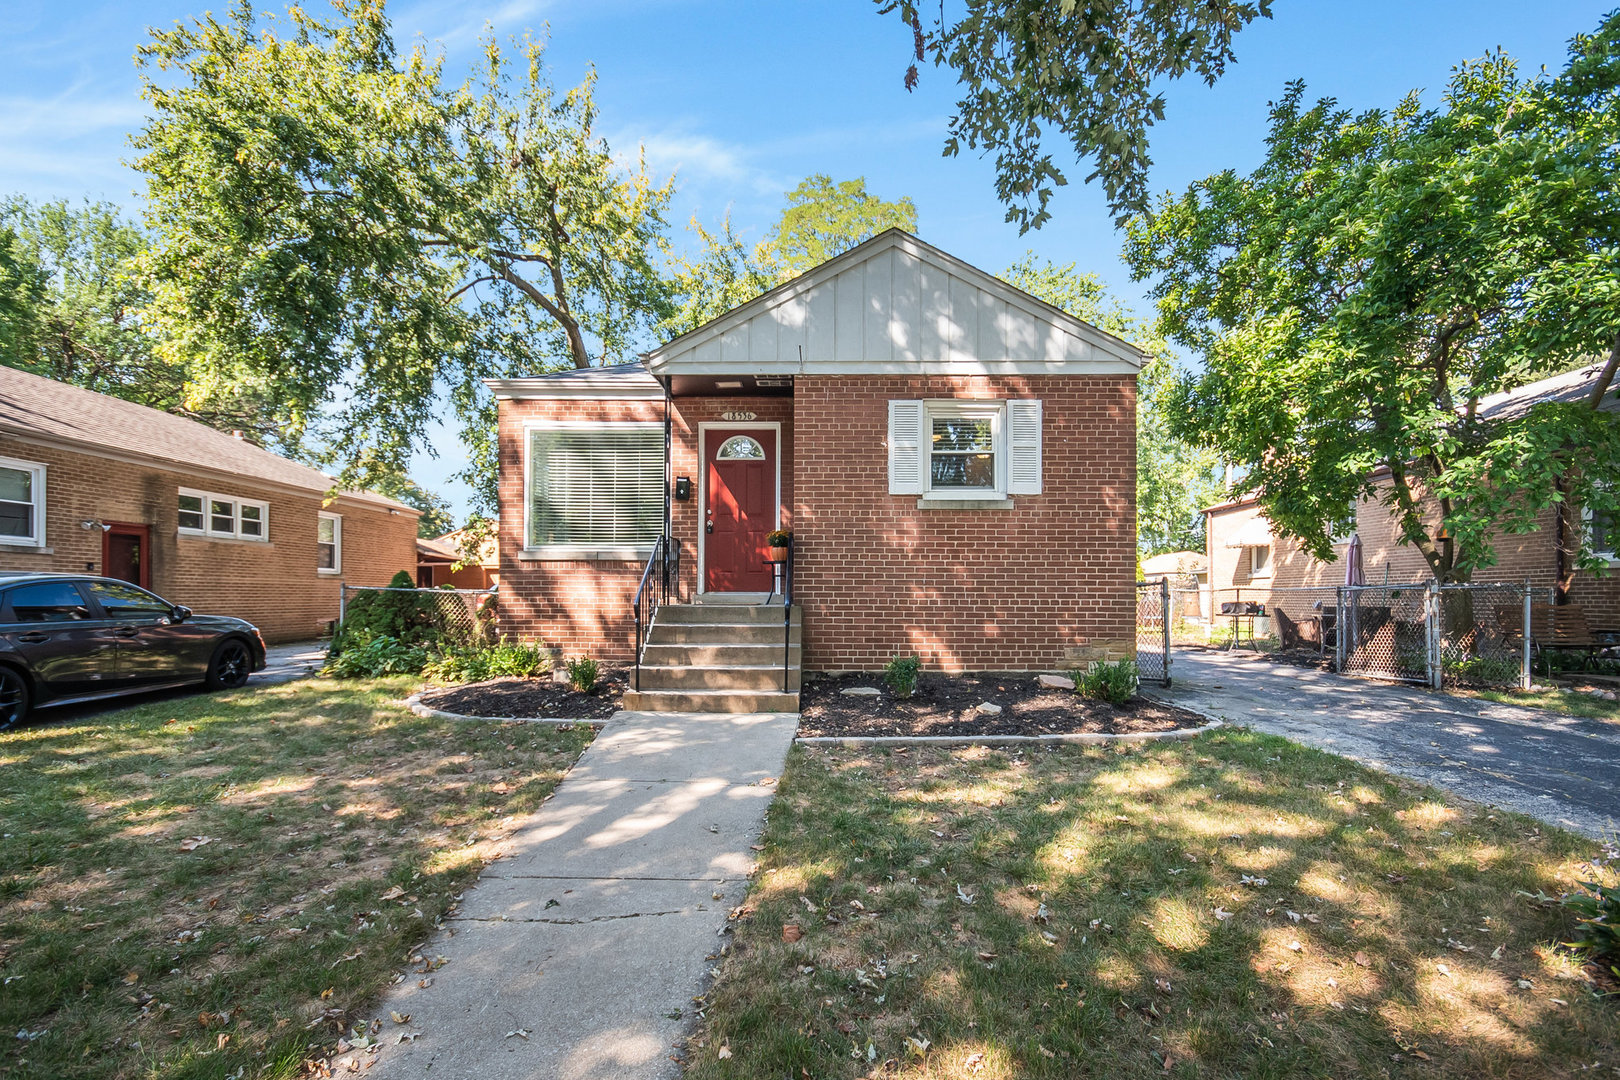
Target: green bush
[506,658]
[901,675]
[410,618]
[1597,921]
[583,673]
[1114,683]
[368,656]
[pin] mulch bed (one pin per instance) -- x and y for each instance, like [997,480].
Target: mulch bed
[945,705]
[531,698]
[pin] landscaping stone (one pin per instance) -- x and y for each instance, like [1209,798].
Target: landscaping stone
[988,708]
[861,691]
[1056,682]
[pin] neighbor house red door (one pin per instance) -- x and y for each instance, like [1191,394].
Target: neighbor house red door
[125,554]
[740,473]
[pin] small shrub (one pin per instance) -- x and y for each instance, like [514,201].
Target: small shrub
[368,656]
[1114,682]
[506,658]
[411,618]
[1597,921]
[901,675]
[583,673]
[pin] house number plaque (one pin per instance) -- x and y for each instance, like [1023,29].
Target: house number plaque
[738,415]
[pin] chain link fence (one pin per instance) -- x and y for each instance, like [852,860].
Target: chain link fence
[454,616]
[1153,617]
[1472,635]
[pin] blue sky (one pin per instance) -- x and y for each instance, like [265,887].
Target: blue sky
[741,100]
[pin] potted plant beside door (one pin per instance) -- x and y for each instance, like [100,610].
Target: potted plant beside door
[778,542]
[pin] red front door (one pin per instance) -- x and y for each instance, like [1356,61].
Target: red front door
[740,470]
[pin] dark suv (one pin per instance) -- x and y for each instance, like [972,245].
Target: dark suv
[66,638]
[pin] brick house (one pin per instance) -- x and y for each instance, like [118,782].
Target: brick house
[98,485]
[1244,554]
[441,561]
[955,458]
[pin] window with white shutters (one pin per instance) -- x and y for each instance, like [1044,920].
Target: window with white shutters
[596,487]
[965,450]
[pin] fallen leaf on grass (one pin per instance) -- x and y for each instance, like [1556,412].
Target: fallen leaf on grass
[723,1053]
[916,1045]
[964,896]
[392,894]
[132,978]
[1222,914]
[192,843]
[792,932]
[974,1062]
[1254,882]
[345,959]
[1363,960]
[1162,985]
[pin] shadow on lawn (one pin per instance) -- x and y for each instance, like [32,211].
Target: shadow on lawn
[1235,906]
[195,886]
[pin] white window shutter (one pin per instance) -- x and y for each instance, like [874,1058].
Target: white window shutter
[1024,448]
[907,459]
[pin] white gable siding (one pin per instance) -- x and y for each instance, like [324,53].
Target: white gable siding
[901,307]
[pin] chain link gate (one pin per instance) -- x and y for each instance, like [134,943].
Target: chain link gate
[1437,635]
[1153,631]
[1384,632]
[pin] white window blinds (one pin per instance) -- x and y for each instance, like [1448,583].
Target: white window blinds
[596,487]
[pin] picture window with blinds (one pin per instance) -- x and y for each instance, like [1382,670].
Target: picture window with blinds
[965,450]
[597,487]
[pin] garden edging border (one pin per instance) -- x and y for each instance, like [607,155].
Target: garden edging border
[414,703]
[1080,738]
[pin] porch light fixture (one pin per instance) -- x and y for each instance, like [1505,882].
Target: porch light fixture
[92,524]
[728,385]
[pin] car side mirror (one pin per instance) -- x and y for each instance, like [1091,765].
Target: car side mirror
[180,613]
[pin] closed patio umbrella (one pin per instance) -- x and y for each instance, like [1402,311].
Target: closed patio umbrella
[1353,573]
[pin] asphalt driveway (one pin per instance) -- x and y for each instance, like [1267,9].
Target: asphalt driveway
[1564,770]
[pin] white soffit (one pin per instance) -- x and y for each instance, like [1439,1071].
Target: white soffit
[895,305]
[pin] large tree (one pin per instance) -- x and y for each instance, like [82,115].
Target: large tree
[820,218]
[1359,294]
[331,215]
[1175,479]
[70,309]
[1091,73]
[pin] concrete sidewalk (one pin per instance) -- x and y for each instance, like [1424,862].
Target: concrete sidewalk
[591,938]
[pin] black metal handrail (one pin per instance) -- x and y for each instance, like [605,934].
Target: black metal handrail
[666,557]
[787,615]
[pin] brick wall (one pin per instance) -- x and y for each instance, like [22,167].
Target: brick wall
[1041,586]
[274,585]
[1035,587]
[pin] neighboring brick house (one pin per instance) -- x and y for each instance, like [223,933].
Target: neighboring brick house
[1245,554]
[956,459]
[94,484]
[441,562]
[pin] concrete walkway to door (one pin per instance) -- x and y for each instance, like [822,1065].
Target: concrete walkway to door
[1564,770]
[577,957]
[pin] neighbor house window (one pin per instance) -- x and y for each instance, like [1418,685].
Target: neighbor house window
[1260,562]
[329,543]
[596,488]
[1602,533]
[22,503]
[965,450]
[202,513]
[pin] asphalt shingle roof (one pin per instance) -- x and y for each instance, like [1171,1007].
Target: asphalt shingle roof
[33,406]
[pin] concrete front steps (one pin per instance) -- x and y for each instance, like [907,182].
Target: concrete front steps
[719,656]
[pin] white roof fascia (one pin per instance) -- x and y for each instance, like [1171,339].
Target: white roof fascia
[541,388]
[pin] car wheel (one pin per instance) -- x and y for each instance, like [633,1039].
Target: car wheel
[13,697]
[230,667]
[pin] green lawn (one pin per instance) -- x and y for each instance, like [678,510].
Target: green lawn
[223,885]
[1559,701]
[1237,906]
